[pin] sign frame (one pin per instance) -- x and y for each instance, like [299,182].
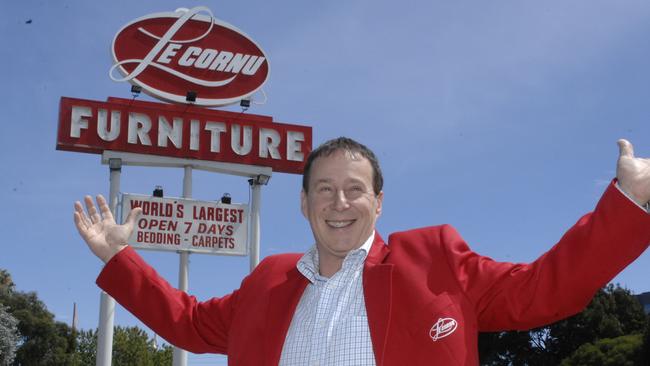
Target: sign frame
[167,217]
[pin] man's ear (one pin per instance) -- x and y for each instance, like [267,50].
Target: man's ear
[303,203]
[380,201]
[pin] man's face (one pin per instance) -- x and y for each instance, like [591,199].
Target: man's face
[341,205]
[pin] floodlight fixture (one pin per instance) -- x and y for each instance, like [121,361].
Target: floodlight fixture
[158,191]
[259,180]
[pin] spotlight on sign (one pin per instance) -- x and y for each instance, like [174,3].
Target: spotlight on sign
[135,90]
[190,96]
[158,191]
[259,180]
[245,103]
[226,198]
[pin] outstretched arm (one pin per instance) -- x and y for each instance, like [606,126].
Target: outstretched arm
[633,173]
[563,280]
[104,237]
[173,314]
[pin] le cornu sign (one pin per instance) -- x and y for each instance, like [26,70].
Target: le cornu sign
[171,53]
[168,54]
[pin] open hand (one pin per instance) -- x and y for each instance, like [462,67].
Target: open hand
[633,173]
[104,237]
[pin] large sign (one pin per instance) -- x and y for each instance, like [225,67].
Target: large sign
[189,225]
[169,54]
[183,132]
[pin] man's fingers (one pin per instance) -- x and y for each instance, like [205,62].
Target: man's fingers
[82,225]
[78,221]
[625,148]
[92,211]
[79,211]
[133,215]
[103,206]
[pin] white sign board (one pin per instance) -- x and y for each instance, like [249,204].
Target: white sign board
[181,224]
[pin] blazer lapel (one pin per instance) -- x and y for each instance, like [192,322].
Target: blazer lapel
[377,287]
[283,301]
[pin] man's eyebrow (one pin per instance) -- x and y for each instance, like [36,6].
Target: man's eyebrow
[347,181]
[355,181]
[323,180]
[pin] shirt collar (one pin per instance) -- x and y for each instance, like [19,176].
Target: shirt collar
[308,263]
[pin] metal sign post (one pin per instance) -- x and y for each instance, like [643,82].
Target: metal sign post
[107,303]
[179,358]
[256,187]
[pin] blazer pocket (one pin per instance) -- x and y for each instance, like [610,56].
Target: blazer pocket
[426,316]
[437,329]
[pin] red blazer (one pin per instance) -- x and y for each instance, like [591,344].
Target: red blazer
[427,294]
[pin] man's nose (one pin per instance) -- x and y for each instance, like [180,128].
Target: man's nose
[340,200]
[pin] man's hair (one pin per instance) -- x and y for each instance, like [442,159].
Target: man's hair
[349,145]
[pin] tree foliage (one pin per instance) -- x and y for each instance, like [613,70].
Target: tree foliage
[87,347]
[645,347]
[6,283]
[131,346]
[619,351]
[40,340]
[9,337]
[613,312]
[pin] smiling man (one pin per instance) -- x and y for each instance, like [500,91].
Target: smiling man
[353,299]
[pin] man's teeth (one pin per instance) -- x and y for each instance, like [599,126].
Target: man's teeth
[340,224]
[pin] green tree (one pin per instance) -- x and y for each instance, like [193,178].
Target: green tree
[42,341]
[87,347]
[505,348]
[131,346]
[164,355]
[9,337]
[6,283]
[645,348]
[619,351]
[613,312]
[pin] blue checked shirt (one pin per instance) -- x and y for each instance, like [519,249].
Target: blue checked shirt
[330,325]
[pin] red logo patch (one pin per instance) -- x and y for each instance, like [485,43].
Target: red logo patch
[169,54]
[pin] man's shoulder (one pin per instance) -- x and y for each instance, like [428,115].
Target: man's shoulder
[423,235]
[279,262]
[274,269]
[425,242]
[282,259]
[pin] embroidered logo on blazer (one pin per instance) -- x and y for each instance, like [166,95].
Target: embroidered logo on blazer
[442,328]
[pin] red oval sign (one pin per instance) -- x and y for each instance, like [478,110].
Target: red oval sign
[169,54]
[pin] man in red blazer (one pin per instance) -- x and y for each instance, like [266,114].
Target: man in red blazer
[422,297]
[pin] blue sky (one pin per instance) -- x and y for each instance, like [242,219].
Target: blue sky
[499,118]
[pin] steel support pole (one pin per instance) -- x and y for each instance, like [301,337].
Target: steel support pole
[107,303]
[255,224]
[179,357]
